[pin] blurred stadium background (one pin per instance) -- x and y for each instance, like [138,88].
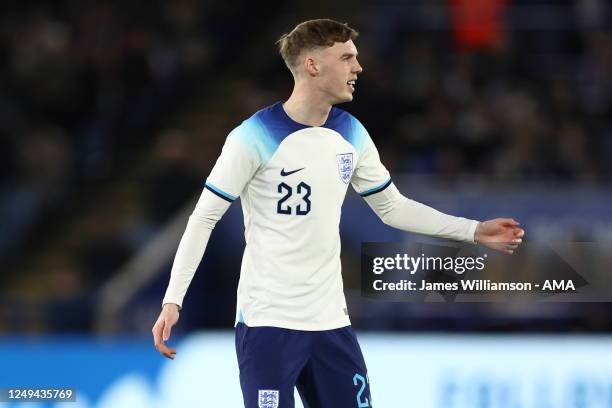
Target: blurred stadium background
[112,114]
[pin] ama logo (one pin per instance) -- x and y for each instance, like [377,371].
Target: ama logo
[268,399]
[561,285]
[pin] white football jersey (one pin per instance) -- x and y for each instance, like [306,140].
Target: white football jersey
[292,180]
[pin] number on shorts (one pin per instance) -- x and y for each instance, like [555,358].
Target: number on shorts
[365,402]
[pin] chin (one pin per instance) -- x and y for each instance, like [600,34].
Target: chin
[342,98]
[345,98]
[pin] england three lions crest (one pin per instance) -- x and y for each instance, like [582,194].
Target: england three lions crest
[345,166]
[268,399]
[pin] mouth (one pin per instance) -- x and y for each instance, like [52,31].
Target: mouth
[351,84]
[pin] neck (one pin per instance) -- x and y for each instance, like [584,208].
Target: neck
[306,106]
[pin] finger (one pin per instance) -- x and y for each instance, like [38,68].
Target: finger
[167,329]
[166,351]
[511,222]
[169,353]
[519,232]
[157,332]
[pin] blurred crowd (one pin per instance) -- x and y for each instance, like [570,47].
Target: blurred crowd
[113,113]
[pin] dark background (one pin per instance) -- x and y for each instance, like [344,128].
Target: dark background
[113,113]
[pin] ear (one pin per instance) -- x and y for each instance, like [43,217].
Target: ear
[311,66]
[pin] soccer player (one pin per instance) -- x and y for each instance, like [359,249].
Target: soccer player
[291,164]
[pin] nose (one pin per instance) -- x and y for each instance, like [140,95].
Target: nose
[358,69]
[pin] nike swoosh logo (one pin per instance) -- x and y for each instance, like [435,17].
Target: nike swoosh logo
[287,173]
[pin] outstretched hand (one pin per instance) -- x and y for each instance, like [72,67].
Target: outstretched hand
[501,234]
[163,326]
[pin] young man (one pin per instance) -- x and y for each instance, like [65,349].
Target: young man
[291,164]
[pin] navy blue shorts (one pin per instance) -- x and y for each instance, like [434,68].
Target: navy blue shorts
[327,368]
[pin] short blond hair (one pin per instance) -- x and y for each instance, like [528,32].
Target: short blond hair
[312,34]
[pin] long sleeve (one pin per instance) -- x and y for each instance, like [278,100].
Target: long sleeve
[208,211]
[372,181]
[229,177]
[403,213]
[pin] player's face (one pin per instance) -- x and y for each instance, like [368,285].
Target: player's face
[339,69]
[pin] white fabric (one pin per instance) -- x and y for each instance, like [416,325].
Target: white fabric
[291,273]
[403,213]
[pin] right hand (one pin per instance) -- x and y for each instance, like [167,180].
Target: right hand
[162,328]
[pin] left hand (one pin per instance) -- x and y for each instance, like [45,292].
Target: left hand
[501,234]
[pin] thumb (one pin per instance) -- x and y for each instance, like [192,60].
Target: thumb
[510,222]
[167,329]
